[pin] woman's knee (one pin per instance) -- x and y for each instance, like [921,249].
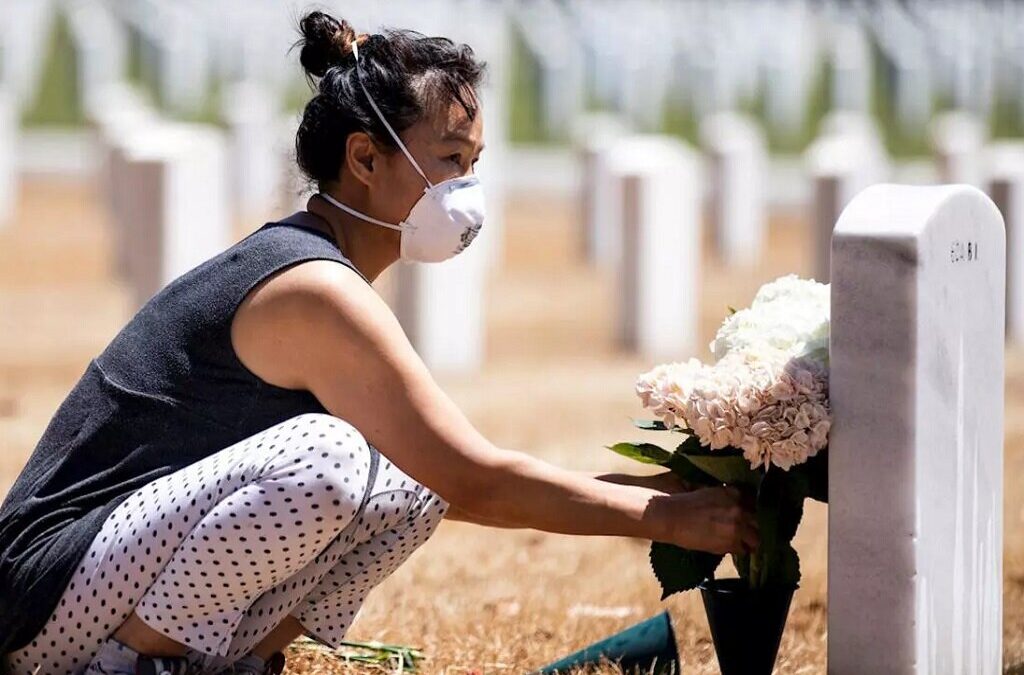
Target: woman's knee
[327,458]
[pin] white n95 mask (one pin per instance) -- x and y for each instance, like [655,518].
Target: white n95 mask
[443,221]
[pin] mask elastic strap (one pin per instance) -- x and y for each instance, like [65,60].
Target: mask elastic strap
[357,214]
[373,104]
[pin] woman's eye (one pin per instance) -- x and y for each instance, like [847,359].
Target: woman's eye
[455,158]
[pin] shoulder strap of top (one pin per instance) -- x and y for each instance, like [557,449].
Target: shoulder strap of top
[307,221]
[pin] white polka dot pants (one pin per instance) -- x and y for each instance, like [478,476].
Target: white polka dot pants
[303,518]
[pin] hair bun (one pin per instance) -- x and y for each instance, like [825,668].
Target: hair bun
[326,42]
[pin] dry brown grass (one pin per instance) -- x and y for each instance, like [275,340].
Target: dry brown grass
[475,600]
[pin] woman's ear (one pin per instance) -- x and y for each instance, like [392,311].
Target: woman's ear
[360,156]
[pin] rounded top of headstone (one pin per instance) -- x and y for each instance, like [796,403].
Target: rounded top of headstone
[956,131]
[728,130]
[597,129]
[1005,159]
[647,153]
[906,211]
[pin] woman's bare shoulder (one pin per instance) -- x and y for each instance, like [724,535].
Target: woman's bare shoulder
[302,308]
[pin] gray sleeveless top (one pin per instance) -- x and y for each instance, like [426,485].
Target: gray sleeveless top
[166,392]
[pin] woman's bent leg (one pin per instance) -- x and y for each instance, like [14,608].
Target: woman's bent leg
[325,595]
[190,552]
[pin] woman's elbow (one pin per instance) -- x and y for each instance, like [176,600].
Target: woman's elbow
[482,496]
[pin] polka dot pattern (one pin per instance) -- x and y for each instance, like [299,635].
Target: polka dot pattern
[304,518]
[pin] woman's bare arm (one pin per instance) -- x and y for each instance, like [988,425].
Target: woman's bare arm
[317,326]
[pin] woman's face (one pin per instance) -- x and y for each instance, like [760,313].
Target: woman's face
[445,144]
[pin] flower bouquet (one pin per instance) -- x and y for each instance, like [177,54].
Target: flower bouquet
[757,418]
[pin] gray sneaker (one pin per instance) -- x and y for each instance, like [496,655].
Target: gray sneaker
[164,665]
[114,658]
[254,665]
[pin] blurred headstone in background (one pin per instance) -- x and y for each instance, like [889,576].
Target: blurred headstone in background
[1004,167]
[24,32]
[657,179]
[593,134]
[556,56]
[441,308]
[252,113]
[845,159]
[790,67]
[737,172]
[8,160]
[101,46]
[903,50]
[850,54]
[957,138]
[115,112]
[175,201]
[294,190]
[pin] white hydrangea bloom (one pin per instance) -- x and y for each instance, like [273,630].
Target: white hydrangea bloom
[790,315]
[767,393]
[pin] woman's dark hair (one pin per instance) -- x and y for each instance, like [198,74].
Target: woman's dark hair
[407,73]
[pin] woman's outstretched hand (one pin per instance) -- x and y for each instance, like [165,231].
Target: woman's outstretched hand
[713,519]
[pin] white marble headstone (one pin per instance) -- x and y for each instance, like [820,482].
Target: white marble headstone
[738,173]
[916,448]
[657,183]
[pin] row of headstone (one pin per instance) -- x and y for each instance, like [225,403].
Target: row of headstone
[916,447]
[715,56]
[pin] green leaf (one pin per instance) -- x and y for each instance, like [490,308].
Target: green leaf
[650,425]
[692,446]
[688,471]
[680,569]
[728,469]
[648,453]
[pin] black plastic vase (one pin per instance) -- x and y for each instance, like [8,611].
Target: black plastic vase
[746,625]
